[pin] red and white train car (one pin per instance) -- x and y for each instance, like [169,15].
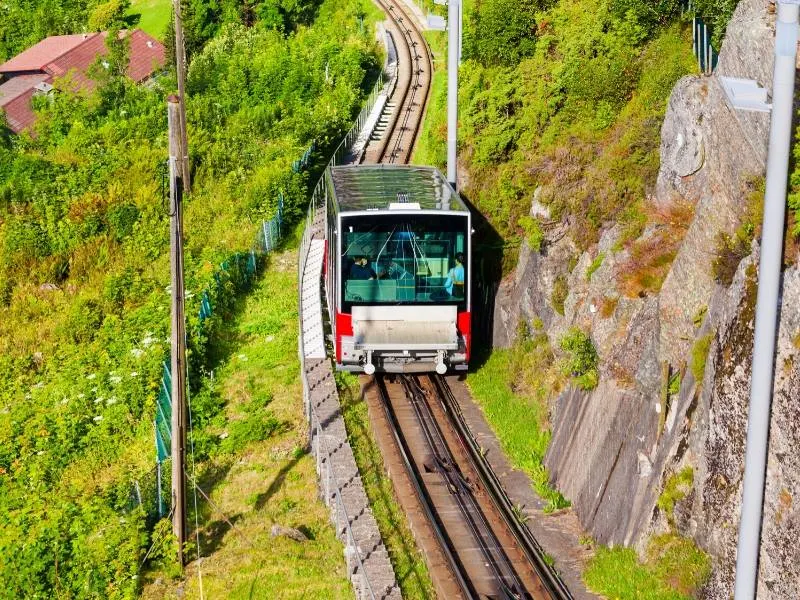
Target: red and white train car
[397,270]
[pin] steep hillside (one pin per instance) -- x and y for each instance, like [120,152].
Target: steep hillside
[650,249]
[623,199]
[84,270]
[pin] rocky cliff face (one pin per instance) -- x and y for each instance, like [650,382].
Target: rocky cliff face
[614,448]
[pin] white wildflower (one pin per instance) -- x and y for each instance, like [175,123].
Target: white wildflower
[91,376]
[223,435]
[81,396]
[98,418]
[148,340]
[112,400]
[115,379]
[134,374]
[137,352]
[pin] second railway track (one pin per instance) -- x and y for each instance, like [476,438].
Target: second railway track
[405,107]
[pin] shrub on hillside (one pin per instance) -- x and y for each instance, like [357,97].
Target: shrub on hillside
[648,13]
[581,358]
[502,32]
[121,219]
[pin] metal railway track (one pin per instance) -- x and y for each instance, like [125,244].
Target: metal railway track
[461,511]
[410,96]
[477,537]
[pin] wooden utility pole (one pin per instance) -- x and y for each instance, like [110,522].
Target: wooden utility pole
[178,353]
[180,67]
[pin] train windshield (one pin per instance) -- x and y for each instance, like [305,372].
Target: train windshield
[404,259]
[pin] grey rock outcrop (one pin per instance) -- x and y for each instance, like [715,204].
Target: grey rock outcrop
[612,450]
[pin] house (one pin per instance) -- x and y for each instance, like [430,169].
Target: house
[33,71]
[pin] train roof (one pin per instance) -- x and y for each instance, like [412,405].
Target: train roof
[370,187]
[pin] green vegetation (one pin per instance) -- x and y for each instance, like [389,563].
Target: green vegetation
[650,257]
[699,356]
[581,358]
[579,116]
[513,388]
[595,264]
[409,565]
[674,383]
[559,294]
[731,249]
[431,146]
[151,16]
[675,489]
[503,32]
[84,272]
[256,477]
[533,232]
[700,316]
[716,13]
[674,570]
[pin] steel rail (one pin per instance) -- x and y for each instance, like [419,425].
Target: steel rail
[510,583]
[404,107]
[456,567]
[530,546]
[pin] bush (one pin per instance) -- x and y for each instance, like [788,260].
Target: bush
[675,490]
[675,569]
[581,358]
[533,232]
[502,32]
[731,249]
[595,264]
[716,14]
[121,220]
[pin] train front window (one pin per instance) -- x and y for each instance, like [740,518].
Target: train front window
[404,259]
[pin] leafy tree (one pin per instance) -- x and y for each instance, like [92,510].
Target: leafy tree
[648,13]
[502,32]
[108,14]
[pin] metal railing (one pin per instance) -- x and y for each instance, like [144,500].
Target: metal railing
[344,147]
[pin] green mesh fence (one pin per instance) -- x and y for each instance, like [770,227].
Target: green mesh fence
[241,268]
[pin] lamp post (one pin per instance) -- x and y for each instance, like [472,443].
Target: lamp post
[453,56]
[762,378]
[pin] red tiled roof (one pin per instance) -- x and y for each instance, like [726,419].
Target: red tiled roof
[49,49]
[20,84]
[146,54]
[79,59]
[19,113]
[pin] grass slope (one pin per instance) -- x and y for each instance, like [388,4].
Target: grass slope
[262,482]
[153,16]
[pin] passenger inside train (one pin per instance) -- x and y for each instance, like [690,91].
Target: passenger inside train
[419,260]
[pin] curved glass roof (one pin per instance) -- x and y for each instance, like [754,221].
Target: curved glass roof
[371,187]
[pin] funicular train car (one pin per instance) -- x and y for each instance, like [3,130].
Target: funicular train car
[397,270]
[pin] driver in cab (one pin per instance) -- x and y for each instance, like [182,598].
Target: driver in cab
[360,269]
